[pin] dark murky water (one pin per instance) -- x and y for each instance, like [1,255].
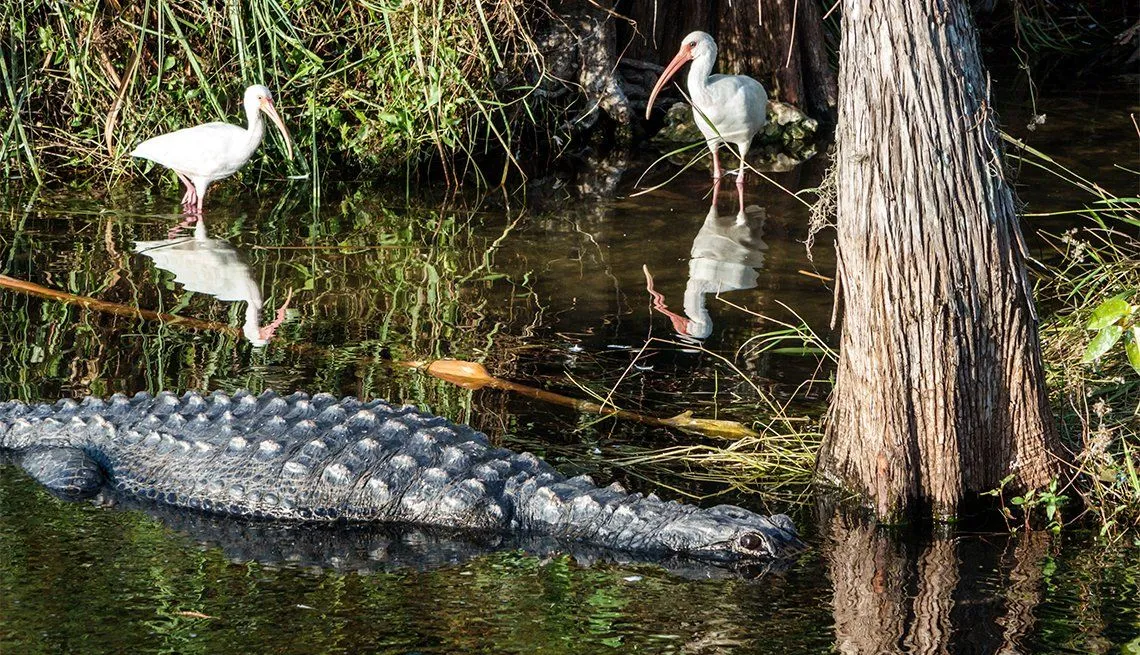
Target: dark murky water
[554,295]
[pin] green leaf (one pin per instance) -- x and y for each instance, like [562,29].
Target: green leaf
[1109,312]
[1132,347]
[1102,342]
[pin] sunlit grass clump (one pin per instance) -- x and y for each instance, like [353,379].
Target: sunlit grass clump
[1090,350]
[372,86]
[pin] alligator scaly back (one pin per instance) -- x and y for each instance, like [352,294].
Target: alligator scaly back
[302,458]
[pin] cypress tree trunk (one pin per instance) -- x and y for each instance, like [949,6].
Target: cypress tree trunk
[939,392]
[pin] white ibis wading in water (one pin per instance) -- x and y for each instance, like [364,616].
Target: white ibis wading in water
[204,153]
[727,108]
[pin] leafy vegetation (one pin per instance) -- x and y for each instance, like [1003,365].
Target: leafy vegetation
[373,86]
[1111,320]
[1022,508]
[1090,347]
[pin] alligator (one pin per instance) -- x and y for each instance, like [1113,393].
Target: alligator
[302,458]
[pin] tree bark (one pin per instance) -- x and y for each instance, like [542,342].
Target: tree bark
[939,392]
[758,38]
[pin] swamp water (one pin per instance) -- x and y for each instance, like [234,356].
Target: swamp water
[554,295]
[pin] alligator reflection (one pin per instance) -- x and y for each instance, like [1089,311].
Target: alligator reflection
[390,546]
[213,267]
[725,256]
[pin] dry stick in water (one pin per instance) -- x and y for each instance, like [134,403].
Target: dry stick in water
[118,309]
[468,375]
[471,375]
[33,289]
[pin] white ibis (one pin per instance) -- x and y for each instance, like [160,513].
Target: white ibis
[727,108]
[726,256]
[205,153]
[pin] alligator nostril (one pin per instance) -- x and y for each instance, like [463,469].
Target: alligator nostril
[751,541]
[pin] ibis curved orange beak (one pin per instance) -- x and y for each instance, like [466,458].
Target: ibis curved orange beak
[684,55]
[271,112]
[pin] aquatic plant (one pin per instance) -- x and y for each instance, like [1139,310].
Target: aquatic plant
[371,86]
[1066,28]
[1115,321]
[1090,365]
[776,463]
[376,282]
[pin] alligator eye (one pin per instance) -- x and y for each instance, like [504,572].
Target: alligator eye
[751,541]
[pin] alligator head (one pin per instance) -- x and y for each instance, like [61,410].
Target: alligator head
[731,534]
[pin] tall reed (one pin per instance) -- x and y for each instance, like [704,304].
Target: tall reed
[1098,402]
[372,86]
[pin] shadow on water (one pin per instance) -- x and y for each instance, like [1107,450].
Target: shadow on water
[368,548]
[554,295]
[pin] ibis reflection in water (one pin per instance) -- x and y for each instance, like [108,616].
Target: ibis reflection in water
[727,108]
[205,153]
[725,256]
[213,267]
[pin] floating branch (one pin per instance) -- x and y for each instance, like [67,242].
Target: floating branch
[471,375]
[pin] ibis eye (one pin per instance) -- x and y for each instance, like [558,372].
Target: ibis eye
[692,44]
[751,541]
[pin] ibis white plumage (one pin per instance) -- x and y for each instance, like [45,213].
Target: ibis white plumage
[205,153]
[727,108]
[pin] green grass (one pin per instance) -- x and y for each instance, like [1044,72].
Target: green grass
[377,86]
[777,464]
[1098,402]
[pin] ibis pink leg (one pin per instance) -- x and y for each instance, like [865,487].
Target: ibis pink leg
[200,190]
[718,172]
[740,175]
[188,197]
[740,189]
[187,222]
